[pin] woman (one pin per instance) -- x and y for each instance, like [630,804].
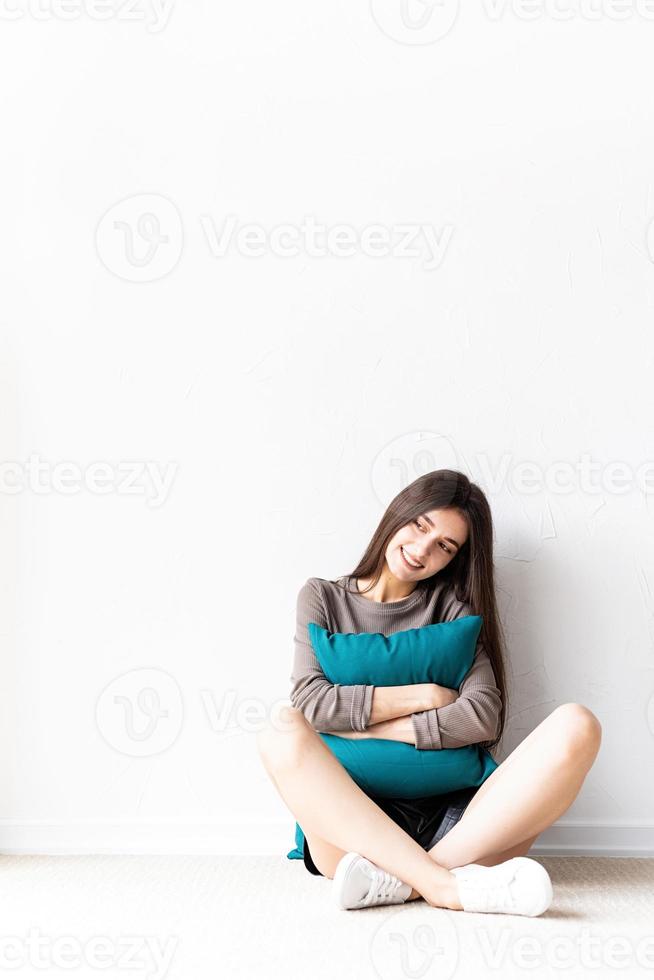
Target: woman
[430,560]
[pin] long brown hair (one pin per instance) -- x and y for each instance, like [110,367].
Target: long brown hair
[470,574]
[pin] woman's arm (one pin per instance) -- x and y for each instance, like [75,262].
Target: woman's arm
[474,715]
[337,707]
[471,718]
[389,703]
[395,729]
[401,728]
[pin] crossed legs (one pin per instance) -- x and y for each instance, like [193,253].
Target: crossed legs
[534,786]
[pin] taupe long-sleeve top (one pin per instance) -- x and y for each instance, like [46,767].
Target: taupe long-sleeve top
[472,718]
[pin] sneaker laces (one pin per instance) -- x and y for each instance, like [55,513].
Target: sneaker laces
[383,886]
[497,893]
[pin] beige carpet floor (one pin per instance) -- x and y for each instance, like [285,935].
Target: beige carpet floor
[221,918]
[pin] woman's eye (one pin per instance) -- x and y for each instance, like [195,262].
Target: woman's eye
[444,547]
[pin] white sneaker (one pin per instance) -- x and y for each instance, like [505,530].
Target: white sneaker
[358,884]
[519,886]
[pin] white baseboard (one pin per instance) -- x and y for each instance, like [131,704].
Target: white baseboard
[597,838]
[161,837]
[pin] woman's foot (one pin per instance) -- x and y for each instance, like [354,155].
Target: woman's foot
[359,884]
[519,886]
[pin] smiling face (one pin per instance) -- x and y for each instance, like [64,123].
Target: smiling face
[431,540]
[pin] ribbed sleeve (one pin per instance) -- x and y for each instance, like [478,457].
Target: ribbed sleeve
[326,706]
[473,717]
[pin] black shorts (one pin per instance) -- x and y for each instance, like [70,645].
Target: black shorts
[425,819]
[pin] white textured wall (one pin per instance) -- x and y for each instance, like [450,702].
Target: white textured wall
[282,399]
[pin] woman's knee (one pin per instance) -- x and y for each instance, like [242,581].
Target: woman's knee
[578,729]
[281,742]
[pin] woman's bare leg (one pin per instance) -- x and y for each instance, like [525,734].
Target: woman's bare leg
[527,792]
[307,774]
[324,855]
[545,772]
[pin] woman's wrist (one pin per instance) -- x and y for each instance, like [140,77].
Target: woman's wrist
[398,729]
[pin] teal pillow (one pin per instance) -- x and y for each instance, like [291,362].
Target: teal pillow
[440,653]
[298,850]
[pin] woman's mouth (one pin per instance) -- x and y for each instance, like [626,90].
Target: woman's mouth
[414,566]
